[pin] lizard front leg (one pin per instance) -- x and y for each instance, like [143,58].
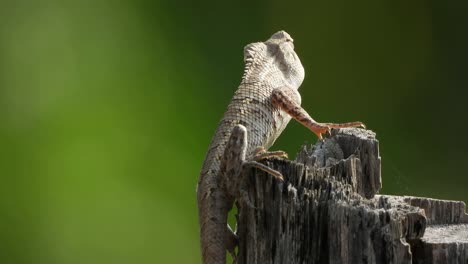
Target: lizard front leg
[284,99]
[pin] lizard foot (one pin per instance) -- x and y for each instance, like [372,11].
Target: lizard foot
[324,128]
[343,125]
[261,153]
[235,166]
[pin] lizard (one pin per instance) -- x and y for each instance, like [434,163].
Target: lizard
[265,101]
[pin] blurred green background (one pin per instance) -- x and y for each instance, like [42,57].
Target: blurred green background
[107,109]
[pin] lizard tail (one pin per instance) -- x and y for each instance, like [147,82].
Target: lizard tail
[213,221]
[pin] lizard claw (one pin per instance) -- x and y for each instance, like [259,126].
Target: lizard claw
[265,168]
[261,153]
[321,129]
[324,128]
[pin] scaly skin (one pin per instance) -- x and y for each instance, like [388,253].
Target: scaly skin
[263,105]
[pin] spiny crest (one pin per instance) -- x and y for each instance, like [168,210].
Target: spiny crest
[252,54]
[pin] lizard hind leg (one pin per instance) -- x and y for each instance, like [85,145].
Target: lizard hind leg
[235,166]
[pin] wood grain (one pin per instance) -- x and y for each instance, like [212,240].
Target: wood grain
[327,211]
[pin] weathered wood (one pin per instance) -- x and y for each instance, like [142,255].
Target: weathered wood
[326,211]
[442,244]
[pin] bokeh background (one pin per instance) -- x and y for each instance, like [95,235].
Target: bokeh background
[107,109]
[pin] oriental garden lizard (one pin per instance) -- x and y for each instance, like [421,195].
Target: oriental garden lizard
[262,106]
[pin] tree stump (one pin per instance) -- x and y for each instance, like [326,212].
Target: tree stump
[327,211]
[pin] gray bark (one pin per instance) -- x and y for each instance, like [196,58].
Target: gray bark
[327,211]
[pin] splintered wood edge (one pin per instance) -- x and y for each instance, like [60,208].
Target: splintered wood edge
[356,147]
[361,133]
[442,244]
[440,211]
[437,211]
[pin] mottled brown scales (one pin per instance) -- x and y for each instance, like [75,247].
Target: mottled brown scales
[261,108]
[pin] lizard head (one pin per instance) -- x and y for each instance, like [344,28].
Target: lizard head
[273,61]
